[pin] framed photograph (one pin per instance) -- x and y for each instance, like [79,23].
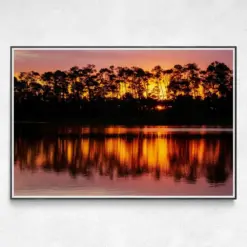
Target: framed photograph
[123,122]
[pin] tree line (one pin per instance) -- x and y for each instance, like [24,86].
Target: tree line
[123,92]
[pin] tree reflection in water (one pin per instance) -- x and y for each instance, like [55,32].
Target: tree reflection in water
[183,157]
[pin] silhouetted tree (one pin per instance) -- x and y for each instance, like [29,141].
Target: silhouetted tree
[192,74]
[185,91]
[218,79]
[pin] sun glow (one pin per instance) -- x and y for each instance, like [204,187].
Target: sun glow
[160,107]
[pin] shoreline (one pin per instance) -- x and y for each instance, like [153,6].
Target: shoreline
[128,124]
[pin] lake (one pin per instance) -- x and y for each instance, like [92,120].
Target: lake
[53,160]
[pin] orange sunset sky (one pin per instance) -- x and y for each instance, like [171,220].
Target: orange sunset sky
[51,60]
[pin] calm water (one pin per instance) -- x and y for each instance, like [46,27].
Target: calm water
[118,160]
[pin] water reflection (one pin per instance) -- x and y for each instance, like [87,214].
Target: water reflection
[182,158]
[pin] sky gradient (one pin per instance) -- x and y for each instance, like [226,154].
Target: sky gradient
[51,60]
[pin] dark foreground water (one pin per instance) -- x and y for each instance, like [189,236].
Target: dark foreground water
[74,160]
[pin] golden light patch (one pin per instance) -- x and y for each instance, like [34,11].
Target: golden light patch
[160,107]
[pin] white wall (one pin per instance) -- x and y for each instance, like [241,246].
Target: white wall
[121,222]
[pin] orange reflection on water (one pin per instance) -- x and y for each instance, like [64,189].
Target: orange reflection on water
[182,158]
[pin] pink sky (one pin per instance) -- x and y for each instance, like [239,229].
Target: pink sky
[51,60]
